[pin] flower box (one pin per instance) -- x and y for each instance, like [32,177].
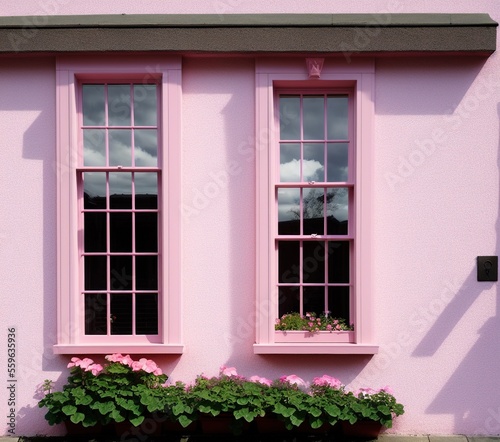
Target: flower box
[79,430]
[306,336]
[366,429]
[223,423]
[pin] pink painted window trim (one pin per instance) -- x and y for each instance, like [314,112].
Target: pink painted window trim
[166,73]
[291,75]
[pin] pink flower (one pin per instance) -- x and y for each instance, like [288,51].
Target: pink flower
[82,363]
[116,357]
[144,364]
[127,360]
[75,362]
[158,372]
[329,327]
[294,380]
[139,365]
[150,366]
[328,381]
[386,389]
[94,368]
[228,371]
[85,362]
[364,392]
[259,380]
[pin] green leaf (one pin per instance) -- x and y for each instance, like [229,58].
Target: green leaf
[136,421]
[332,410]
[105,407]
[117,416]
[83,400]
[316,422]
[296,420]
[283,410]
[384,409]
[77,418]
[69,410]
[178,409]
[314,411]
[184,420]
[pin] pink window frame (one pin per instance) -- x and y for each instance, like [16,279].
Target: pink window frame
[291,74]
[70,72]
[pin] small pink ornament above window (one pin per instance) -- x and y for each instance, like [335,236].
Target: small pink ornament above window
[314,67]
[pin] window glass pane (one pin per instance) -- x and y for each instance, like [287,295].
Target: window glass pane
[146,147]
[120,190]
[94,232]
[290,162]
[95,273]
[289,261]
[313,210]
[146,272]
[146,314]
[145,105]
[94,190]
[288,211]
[313,166]
[337,117]
[337,162]
[338,262]
[120,147]
[121,272]
[120,235]
[146,232]
[121,314]
[94,147]
[146,190]
[313,264]
[338,303]
[314,118]
[93,105]
[119,105]
[337,211]
[95,314]
[289,300]
[314,300]
[290,118]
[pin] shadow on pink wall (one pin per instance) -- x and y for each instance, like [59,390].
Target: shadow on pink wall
[476,380]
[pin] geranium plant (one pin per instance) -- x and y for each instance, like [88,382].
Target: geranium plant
[227,394]
[375,405]
[126,390]
[99,394]
[311,322]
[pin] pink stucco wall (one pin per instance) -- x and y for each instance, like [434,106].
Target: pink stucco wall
[436,209]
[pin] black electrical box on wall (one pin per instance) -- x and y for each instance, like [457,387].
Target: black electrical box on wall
[487,268]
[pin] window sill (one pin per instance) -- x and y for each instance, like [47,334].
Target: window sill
[118,348]
[315,348]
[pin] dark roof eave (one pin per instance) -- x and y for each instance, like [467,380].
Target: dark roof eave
[248,33]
